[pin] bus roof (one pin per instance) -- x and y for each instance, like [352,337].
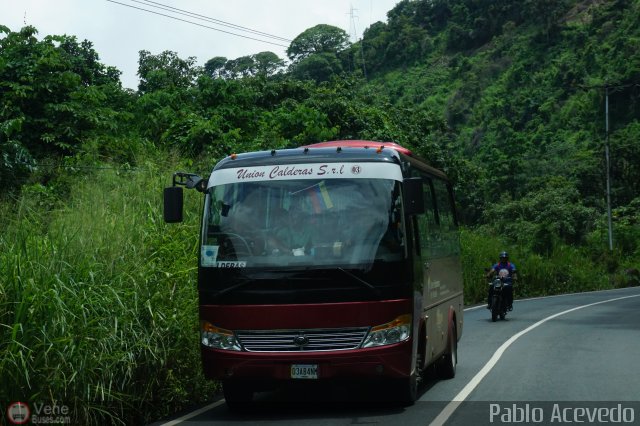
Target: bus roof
[324,151]
[379,147]
[360,144]
[349,150]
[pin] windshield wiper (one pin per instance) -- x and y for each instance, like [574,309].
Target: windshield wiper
[234,287]
[246,281]
[250,280]
[362,282]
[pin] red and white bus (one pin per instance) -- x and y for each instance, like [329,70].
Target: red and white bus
[338,260]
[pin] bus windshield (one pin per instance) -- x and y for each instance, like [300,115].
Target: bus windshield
[305,223]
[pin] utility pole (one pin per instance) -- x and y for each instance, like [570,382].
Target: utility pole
[353,35]
[606,154]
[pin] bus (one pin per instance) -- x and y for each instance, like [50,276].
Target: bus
[335,260]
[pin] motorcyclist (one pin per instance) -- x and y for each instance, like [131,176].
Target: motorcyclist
[503,268]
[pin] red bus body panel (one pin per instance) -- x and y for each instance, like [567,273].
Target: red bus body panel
[392,361]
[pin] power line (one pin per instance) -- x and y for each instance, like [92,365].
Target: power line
[614,87]
[200,25]
[207,18]
[197,24]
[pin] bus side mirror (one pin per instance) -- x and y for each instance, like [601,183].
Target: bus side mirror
[413,196]
[173,204]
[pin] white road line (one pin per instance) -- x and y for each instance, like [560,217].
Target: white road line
[553,296]
[194,413]
[473,383]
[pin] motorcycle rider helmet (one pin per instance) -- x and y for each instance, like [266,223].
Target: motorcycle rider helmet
[504,255]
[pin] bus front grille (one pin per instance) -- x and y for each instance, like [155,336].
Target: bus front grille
[302,340]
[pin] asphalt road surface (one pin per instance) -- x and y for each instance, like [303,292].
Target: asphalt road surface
[556,360]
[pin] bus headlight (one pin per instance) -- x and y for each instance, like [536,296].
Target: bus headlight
[218,338]
[392,332]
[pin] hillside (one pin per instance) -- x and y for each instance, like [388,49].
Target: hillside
[509,98]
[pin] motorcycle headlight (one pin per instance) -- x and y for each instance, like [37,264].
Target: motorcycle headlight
[218,338]
[392,332]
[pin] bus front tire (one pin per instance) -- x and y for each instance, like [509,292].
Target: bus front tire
[405,391]
[237,395]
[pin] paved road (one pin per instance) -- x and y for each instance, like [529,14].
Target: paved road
[571,358]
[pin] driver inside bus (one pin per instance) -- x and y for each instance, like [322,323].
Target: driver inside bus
[237,225]
[291,233]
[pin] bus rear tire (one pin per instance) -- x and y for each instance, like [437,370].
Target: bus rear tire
[447,365]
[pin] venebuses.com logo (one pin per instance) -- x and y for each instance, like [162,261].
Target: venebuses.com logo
[20,413]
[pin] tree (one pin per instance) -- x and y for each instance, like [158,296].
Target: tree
[243,66]
[371,48]
[85,62]
[55,96]
[318,67]
[267,63]
[545,216]
[547,13]
[165,71]
[214,67]
[322,38]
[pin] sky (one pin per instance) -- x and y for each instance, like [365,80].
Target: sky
[119,29]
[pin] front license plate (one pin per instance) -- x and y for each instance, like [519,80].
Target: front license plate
[304,371]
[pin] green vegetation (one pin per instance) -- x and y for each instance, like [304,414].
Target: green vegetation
[98,305]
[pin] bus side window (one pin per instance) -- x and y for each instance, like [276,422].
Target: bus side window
[449,243]
[428,222]
[438,225]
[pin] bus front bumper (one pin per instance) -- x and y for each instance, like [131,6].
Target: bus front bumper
[393,361]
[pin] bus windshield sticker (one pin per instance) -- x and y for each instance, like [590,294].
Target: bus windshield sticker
[232,264]
[209,255]
[306,171]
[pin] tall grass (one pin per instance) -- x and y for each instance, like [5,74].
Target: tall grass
[98,302]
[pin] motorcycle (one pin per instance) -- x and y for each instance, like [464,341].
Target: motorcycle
[498,301]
